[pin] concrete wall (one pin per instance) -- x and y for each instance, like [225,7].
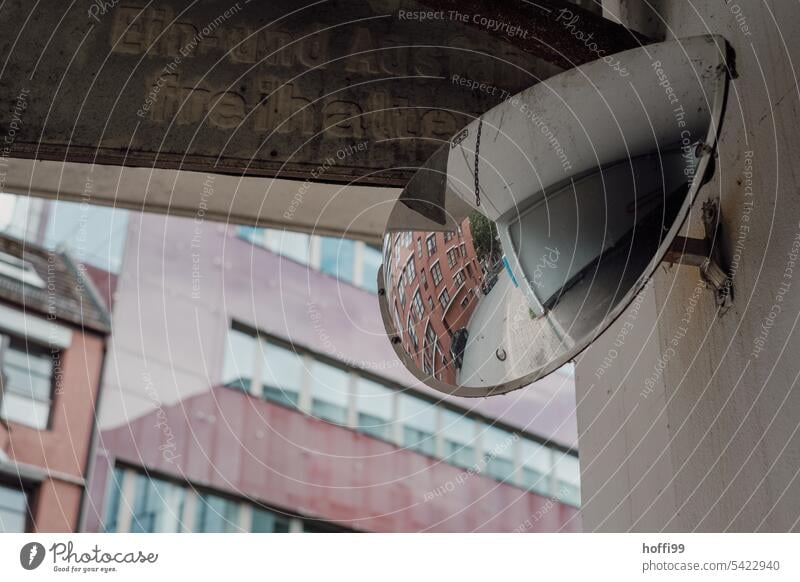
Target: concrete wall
[704,436]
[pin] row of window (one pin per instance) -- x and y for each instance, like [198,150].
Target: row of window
[348,260]
[141,503]
[270,370]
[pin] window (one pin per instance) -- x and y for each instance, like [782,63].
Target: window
[114,493]
[463,249]
[418,418]
[423,279]
[28,384]
[281,375]
[401,288]
[23,271]
[337,257]
[216,514]
[498,452]
[444,298]
[436,273]
[459,279]
[265,521]
[407,238]
[452,257]
[410,271]
[430,303]
[430,337]
[397,249]
[263,368]
[419,248]
[13,510]
[412,333]
[239,366]
[448,236]
[465,301]
[292,245]
[157,505]
[371,263]
[329,392]
[458,435]
[431,243]
[536,467]
[568,476]
[418,305]
[374,408]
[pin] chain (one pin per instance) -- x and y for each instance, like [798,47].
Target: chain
[477,156]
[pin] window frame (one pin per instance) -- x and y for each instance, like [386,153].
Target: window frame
[417,304]
[430,245]
[436,274]
[28,347]
[445,304]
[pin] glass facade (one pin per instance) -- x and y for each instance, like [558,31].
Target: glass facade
[374,408]
[216,514]
[498,452]
[418,418]
[348,397]
[281,374]
[459,434]
[351,261]
[138,502]
[330,392]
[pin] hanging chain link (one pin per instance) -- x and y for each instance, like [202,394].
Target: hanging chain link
[477,157]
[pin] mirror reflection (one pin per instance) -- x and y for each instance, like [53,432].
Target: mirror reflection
[489,302]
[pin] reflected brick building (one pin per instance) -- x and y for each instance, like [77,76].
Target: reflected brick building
[433,287]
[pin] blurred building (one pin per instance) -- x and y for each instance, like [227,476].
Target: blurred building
[250,386]
[53,327]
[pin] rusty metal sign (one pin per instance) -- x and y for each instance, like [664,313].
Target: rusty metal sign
[332,91]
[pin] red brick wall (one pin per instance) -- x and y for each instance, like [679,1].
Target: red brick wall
[64,447]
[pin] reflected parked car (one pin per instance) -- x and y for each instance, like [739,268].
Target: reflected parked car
[488,284]
[458,346]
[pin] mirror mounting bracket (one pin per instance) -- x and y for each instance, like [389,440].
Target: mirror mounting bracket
[705,254]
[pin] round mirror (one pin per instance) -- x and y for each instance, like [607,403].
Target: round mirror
[526,235]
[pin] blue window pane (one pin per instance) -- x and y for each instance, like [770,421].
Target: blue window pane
[372,261]
[216,515]
[114,493]
[337,257]
[157,506]
[265,521]
[13,510]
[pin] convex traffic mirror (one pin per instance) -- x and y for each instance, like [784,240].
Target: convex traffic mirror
[523,238]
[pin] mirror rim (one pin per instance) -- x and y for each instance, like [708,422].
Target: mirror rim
[700,177]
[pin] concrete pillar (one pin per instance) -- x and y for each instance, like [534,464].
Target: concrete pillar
[692,422]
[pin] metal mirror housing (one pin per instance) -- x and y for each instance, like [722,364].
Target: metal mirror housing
[522,239]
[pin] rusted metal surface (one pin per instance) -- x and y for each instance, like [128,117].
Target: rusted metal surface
[331,91]
[560,32]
